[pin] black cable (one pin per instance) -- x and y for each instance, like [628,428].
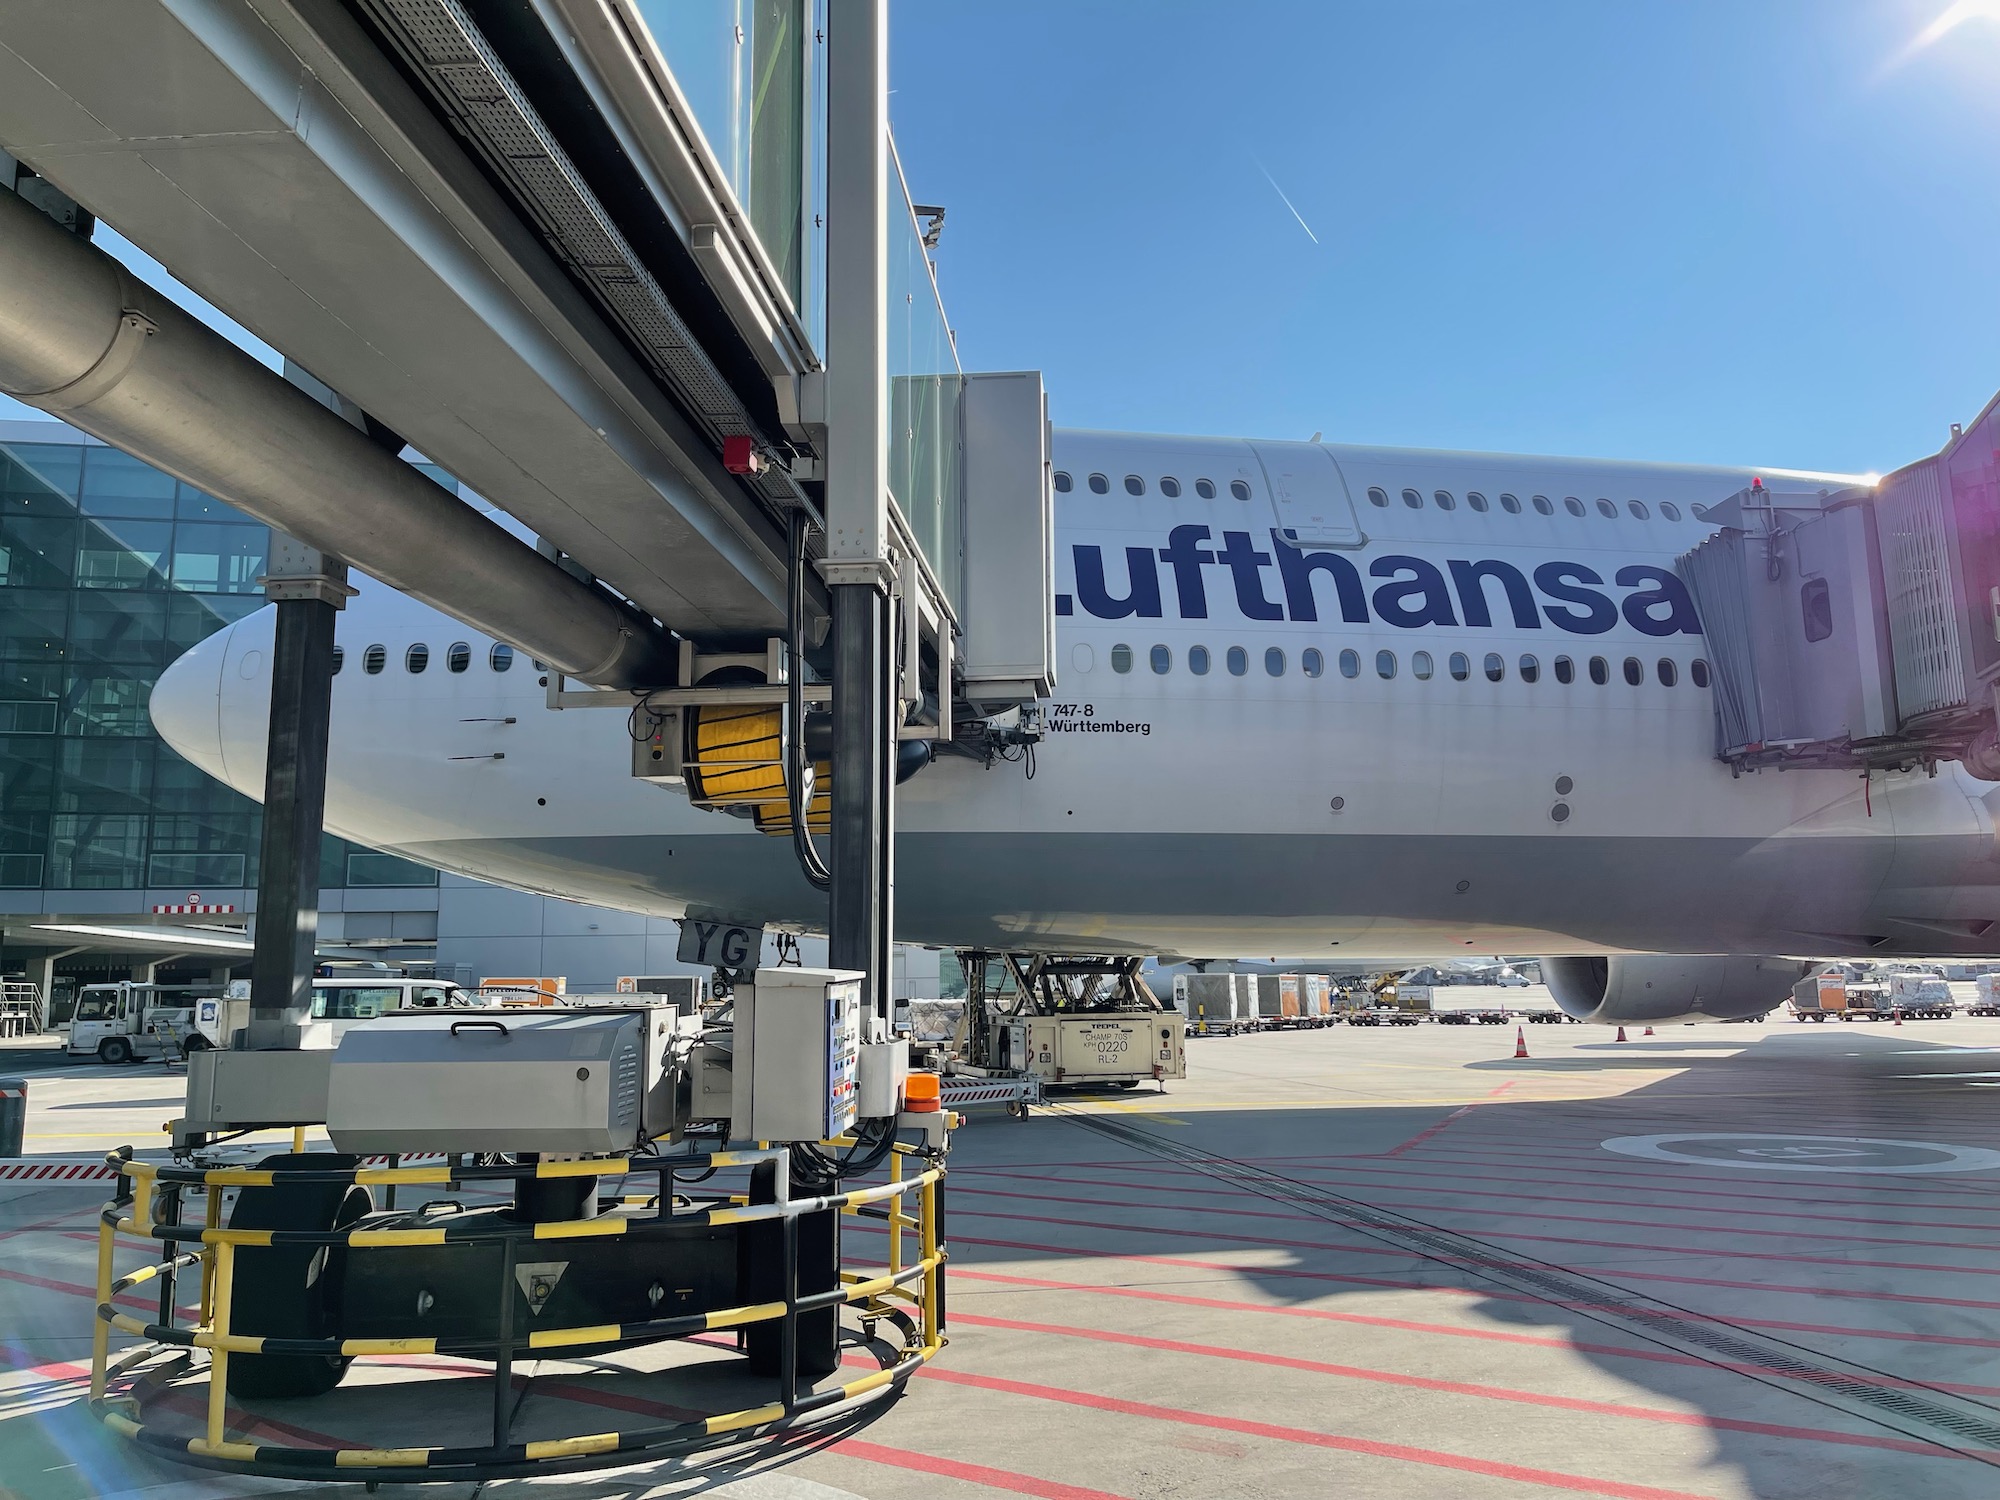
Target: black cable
[810,864]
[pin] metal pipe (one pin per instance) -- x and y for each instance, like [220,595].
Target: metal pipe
[83,339]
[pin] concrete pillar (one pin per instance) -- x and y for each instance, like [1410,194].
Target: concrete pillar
[143,973]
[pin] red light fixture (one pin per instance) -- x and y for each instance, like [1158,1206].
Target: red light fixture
[740,455]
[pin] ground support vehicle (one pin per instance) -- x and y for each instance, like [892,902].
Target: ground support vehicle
[1082,1021]
[127,1021]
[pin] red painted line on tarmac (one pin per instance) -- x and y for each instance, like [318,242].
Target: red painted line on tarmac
[76,1289]
[47,1224]
[1468,1388]
[1376,1199]
[1449,1120]
[1399,1452]
[876,1453]
[1202,1185]
[1618,1273]
[1495,1294]
[1650,1191]
[1446,1330]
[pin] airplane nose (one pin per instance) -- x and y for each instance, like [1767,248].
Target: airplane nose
[186,704]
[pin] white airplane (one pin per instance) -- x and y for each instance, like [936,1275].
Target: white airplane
[1315,701]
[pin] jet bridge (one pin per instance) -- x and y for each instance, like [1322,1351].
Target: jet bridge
[1859,627]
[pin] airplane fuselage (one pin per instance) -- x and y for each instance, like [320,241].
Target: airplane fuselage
[1467,713]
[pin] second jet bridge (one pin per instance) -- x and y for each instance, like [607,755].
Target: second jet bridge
[1859,627]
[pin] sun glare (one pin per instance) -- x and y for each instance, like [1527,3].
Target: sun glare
[1955,15]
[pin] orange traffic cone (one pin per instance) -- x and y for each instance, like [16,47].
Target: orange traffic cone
[1520,1042]
[1899,1015]
[1648,1031]
[1621,1035]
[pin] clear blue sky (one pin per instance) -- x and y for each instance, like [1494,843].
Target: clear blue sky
[1756,231]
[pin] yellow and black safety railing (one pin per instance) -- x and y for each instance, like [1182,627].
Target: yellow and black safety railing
[908,1293]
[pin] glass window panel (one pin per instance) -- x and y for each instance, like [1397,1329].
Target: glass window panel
[30,699]
[34,624]
[1311,662]
[106,776]
[501,657]
[1460,666]
[115,626]
[1635,671]
[1063,482]
[37,552]
[96,851]
[367,868]
[215,559]
[27,774]
[1162,660]
[1205,488]
[40,477]
[20,872]
[117,484]
[1565,669]
[1531,669]
[1420,665]
[1274,662]
[1496,669]
[181,787]
[1121,658]
[195,870]
[1198,660]
[1238,661]
[193,618]
[192,505]
[108,701]
[1385,664]
[456,659]
[1350,664]
[120,554]
[1669,510]
[1600,672]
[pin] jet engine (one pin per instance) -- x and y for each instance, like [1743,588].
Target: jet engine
[1665,988]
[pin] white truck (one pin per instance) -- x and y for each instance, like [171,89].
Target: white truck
[1921,996]
[127,1020]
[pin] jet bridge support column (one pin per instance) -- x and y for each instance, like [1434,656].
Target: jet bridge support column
[857,566]
[309,588]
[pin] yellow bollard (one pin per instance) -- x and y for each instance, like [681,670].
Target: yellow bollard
[218,1358]
[298,1140]
[100,1333]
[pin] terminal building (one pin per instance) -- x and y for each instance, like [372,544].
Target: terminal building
[109,569]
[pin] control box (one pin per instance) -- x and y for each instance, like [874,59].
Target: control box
[656,756]
[797,1047]
[570,1080]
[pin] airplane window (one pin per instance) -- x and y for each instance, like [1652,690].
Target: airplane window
[1350,664]
[1239,489]
[1385,664]
[501,657]
[1412,499]
[1475,501]
[339,657]
[1531,669]
[1461,666]
[1121,657]
[1239,661]
[1638,509]
[1668,675]
[1607,510]
[1198,660]
[1565,670]
[1444,500]
[1573,505]
[1542,506]
[1698,672]
[458,658]
[1600,670]
[1134,485]
[1669,511]
[1420,665]
[1635,672]
[1311,662]
[1496,669]
[374,659]
[1274,662]
[1511,504]
[416,658]
[1700,512]
[1170,487]
[1205,488]
[1163,661]
[1099,485]
[1063,482]
[1378,496]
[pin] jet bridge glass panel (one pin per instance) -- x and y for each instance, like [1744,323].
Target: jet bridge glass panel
[925,391]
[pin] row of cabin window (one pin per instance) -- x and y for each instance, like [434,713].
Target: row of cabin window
[457,658]
[1542,505]
[1134,485]
[1100,484]
[1312,662]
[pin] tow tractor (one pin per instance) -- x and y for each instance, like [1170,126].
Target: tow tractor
[1033,1022]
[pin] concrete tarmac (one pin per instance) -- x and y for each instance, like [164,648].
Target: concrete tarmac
[1723,1261]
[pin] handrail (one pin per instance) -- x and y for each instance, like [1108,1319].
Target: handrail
[907,1294]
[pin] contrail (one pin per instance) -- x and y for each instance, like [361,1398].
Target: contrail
[1286,201]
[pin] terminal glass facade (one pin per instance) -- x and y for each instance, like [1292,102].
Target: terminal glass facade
[109,569]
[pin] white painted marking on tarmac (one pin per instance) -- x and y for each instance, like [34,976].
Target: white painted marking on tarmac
[1806,1153]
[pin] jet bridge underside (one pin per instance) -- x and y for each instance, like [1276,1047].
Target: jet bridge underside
[280,165]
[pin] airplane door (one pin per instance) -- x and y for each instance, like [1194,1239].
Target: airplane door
[1309,495]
